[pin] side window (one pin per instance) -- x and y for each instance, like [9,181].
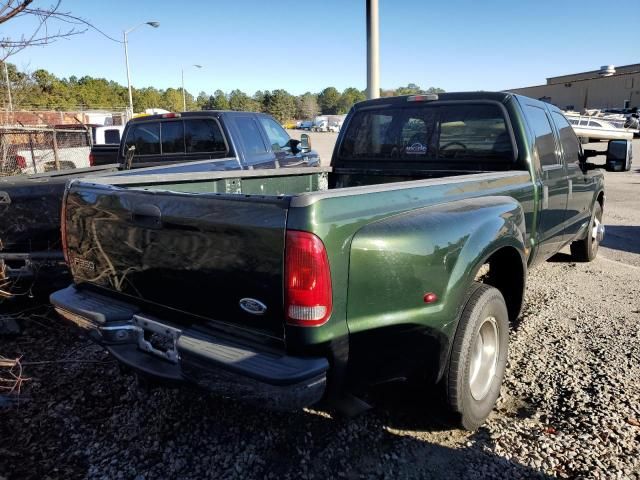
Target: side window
[278,138]
[112,136]
[568,139]
[172,137]
[250,134]
[145,137]
[545,141]
[203,135]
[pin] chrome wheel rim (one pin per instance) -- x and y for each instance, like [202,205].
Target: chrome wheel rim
[484,358]
[597,232]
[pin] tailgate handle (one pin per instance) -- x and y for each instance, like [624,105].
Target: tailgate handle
[147,215]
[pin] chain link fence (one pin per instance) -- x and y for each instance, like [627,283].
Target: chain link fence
[28,150]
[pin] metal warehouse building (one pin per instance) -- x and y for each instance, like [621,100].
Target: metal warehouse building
[608,87]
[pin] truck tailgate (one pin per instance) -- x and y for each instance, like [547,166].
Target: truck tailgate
[219,257]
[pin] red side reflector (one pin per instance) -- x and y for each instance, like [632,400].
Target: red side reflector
[423,98]
[308,295]
[170,115]
[430,297]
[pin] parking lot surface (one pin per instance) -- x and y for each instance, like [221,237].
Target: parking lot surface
[569,407]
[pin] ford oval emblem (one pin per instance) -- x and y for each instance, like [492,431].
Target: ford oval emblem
[253,306]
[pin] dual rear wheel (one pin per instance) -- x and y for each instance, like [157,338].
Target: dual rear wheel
[478,357]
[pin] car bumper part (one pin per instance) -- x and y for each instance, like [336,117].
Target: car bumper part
[158,348]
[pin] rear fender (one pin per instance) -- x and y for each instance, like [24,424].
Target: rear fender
[396,261]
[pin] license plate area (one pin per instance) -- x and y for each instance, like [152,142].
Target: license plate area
[157,338]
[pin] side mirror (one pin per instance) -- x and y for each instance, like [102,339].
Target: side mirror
[619,155]
[305,142]
[591,153]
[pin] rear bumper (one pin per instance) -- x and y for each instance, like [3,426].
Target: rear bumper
[221,365]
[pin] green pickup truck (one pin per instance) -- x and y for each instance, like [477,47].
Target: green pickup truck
[406,258]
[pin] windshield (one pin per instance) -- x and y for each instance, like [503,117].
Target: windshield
[429,133]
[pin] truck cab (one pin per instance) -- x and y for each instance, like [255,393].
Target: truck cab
[235,139]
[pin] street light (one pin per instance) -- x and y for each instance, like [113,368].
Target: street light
[184,96]
[126,56]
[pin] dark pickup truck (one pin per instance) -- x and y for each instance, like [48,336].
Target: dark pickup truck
[407,259]
[211,141]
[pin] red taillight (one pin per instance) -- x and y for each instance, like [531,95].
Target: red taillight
[92,160]
[170,115]
[21,162]
[307,280]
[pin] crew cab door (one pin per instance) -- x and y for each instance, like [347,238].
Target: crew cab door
[553,178]
[581,186]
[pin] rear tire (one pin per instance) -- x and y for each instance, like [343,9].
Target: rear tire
[478,357]
[586,250]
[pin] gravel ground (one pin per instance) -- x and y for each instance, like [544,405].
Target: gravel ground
[570,404]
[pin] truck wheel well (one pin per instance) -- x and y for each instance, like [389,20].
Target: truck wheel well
[601,199]
[504,270]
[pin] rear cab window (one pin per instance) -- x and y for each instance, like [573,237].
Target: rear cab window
[112,136]
[172,137]
[156,139]
[145,137]
[472,136]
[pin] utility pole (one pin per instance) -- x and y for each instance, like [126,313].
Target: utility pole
[373,50]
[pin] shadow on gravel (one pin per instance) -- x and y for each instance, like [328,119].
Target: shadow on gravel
[82,418]
[561,258]
[622,237]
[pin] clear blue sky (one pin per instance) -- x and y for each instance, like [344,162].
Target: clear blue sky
[308,45]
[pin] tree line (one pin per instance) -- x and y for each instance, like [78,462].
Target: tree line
[43,90]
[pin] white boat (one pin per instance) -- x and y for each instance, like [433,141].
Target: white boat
[600,127]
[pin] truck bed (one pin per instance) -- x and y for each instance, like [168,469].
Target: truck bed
[198,242]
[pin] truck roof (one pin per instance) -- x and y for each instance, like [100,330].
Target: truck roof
[198,113]
[402,99]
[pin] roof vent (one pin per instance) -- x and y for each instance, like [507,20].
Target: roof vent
[607,70]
